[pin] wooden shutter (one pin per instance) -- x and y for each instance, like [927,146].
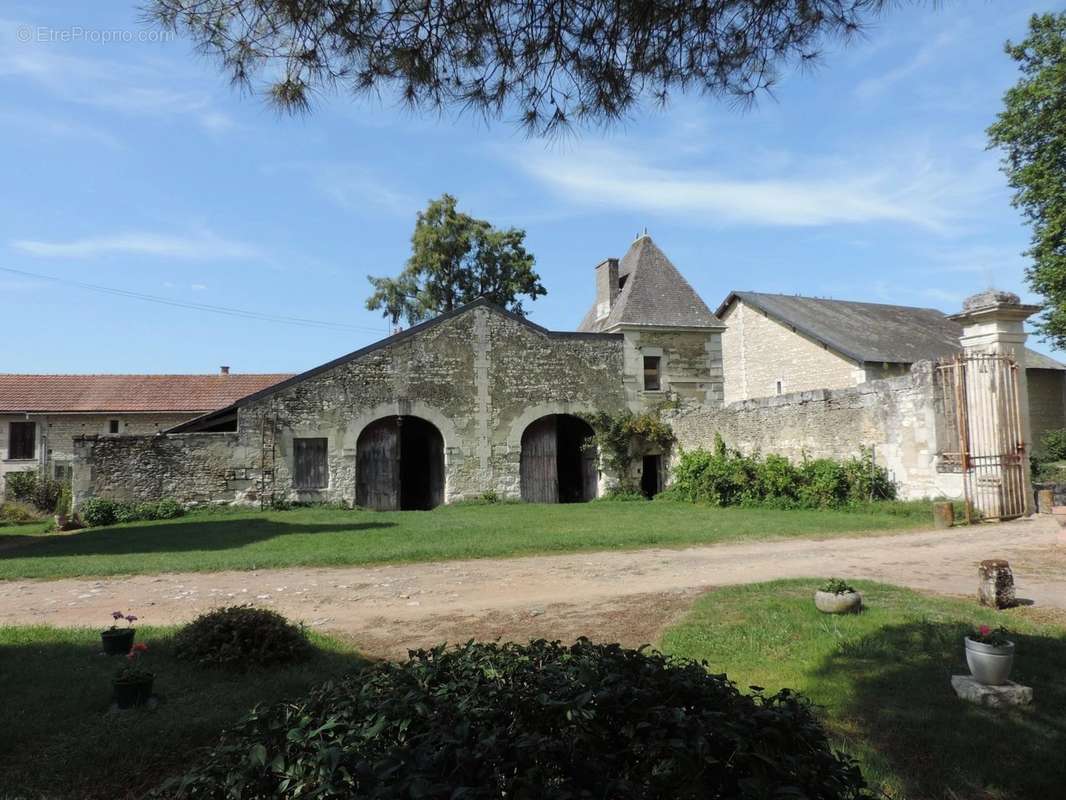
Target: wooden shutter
[22,440]
[312,466]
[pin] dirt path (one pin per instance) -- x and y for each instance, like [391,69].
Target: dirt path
[627,596]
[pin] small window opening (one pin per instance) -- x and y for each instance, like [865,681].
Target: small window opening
[652,374]
[622,282]
[779,387]
[22,440]
[112,426]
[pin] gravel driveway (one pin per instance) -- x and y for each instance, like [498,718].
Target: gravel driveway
[626,596]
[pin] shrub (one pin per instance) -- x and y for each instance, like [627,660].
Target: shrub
[616,494]
[726,477]
[19,486]
[528,721]
[18,513]
[46,494]
[99,511]
[241,638]
[1053,445]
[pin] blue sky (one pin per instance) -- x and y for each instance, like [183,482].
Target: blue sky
[135,165]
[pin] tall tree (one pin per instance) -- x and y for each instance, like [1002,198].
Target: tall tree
[552,62]
[456,259]
[1031,130]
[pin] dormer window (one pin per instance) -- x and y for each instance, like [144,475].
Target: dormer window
[652,373]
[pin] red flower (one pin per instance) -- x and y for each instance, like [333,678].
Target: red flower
[140,647]
[984,630]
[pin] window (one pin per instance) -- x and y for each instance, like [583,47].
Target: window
[22,440]
[311,468]
[779,387]
[112,426]
[62,472]
[652,381]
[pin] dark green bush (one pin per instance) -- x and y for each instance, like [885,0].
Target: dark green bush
[726,477]
[241,638]
[528,721]
[19,486]
[1053,445]
[46,494]
[101,511]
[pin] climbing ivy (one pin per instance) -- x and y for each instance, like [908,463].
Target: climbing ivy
[622,436]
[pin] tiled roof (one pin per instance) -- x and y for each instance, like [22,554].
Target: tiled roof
[117,393]
[869,333]
[654,293]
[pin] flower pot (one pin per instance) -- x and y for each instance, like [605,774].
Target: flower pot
[117,641]
[132,694]
[834,603]
[989,664]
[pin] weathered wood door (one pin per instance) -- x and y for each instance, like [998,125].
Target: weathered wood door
[538,468]
[377,477]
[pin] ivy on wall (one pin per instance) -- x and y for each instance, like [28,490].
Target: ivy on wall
[623,436]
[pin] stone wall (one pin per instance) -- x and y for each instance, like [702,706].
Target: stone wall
[480,377]
[56,433]
[1047,401]
[196,469]
[691,366]
[894,417]
[758,352]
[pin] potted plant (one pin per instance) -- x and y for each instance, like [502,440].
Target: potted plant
[118,641]
[837,597]
[989,655]
[132,685]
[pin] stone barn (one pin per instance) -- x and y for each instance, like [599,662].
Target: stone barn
[473,401]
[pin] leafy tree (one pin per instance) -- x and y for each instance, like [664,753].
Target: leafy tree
[1031,130]
[456,259]
[551,61]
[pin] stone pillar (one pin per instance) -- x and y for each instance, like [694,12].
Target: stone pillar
[993,322]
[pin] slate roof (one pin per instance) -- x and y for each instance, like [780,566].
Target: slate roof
[127,393]
[654,293]
[869,333]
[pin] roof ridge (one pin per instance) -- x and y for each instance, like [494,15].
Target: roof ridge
[836,300]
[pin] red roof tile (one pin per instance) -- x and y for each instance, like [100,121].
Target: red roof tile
[115,393]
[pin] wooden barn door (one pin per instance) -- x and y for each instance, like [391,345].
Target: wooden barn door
[378,466]
[539,470]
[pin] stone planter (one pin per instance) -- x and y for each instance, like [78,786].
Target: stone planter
[843,603]
[989,665]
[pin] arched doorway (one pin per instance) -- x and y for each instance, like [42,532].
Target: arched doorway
[399,465]
[555,467]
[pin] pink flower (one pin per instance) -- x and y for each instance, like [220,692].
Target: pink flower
[131,618]
[116,615]
[140,647]
[984,630]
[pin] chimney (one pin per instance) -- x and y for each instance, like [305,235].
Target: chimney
[606,286]
[223,370]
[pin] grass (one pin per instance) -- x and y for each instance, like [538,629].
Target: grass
[60,740]
[242,540]
[881,680]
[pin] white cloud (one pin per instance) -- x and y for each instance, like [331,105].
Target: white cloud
[197,247]
[351,186]
[908,188]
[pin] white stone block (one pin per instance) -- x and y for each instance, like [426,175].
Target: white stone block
[1009,694]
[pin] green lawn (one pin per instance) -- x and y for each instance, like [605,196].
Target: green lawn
[210,541]
[882,680]
[59,739]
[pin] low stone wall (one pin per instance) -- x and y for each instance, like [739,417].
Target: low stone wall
[894,417]
[194,469]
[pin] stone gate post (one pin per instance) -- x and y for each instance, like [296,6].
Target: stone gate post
[993,322]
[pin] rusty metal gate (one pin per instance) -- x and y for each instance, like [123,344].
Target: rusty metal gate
[980,433]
